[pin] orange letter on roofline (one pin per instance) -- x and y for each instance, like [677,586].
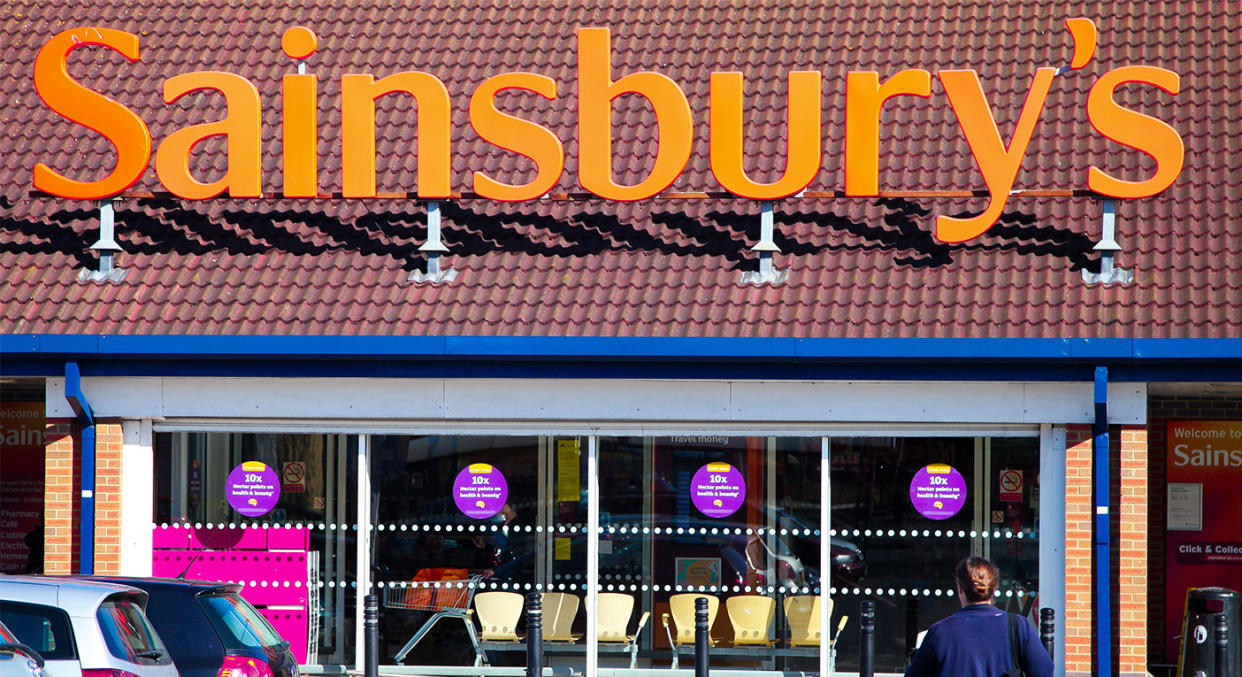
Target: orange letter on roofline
[864,99]
[1142,132]
[241,126]
[803,140]
[299,117]
[120,125]
[997,161]
[358,95]
[520,136]
[596,90]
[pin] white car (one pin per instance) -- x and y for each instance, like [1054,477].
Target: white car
[17,659]
[84,629]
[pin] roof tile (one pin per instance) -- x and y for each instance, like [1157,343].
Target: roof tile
[669,267]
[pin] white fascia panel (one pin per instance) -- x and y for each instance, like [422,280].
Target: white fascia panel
[869,401]
[304,398]
[111,397]
[601,400]
[586,399]
[1075,403]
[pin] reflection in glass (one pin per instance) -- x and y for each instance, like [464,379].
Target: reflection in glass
[664,540]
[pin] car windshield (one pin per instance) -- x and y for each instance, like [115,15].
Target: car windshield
[127,631]
[238,624]
[7,637]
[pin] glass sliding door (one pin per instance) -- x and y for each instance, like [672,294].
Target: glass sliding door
[276,512]
[479,523]
[885,492]
[730,518]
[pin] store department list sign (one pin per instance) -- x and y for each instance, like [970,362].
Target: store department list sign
[480,490]
[938,491]
[718,489]
[253,489]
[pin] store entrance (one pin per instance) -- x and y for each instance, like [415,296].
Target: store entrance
[463,527]
[912,548]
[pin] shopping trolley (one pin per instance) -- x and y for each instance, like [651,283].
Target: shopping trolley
[448,593]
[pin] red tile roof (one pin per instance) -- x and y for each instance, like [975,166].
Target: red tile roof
[669,267]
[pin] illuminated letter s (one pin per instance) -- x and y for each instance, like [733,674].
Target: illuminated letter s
[521,136]
[120,125]
[1152,136]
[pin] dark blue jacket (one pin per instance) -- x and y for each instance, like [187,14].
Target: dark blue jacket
[974,642]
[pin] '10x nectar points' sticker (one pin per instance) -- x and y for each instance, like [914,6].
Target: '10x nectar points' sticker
[938,491]
[480,490]
[253,489]
[718,490]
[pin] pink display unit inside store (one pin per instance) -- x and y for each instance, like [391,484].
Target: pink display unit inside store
[272,563]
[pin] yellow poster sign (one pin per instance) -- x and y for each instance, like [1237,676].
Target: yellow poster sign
[568,471]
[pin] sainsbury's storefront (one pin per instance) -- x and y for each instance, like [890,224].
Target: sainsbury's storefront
[596,318]
[600,493]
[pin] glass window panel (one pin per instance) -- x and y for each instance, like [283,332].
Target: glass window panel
[734,518]
[909,557]
[530,541]
[319,479]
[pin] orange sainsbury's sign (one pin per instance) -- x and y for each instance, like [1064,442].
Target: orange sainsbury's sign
[998,160]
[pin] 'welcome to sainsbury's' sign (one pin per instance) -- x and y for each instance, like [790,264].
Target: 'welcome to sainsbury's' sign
[998,161]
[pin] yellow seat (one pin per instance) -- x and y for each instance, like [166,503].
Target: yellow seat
[682,609]
[615,609]
[751,616]
[499,613]
[559,610]
[802,612]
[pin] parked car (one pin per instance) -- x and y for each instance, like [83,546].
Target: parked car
[211,631]
[84,629]
[17,659]
[791,559]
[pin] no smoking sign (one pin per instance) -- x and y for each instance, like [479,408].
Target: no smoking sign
[293,477]
[1011,485]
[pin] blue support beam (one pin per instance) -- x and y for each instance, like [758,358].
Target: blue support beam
[1103,568]
[86,417]
[1129,360]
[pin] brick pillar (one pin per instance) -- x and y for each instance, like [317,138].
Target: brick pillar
[108,442]
[1079,513]
[61,489]
[1132,550]
[62,497]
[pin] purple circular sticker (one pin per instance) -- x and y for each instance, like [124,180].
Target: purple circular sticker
[253,489]
[718,490]
[938,491]
[480,491]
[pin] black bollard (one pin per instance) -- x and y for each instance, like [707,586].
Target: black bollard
[1048,630]
[1223,669]
[866,629]
[534,634]
[912,623]
[701,637]
[370,628]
